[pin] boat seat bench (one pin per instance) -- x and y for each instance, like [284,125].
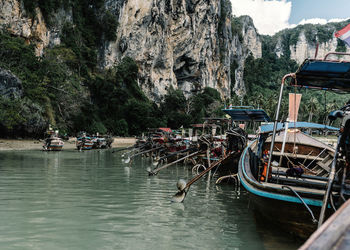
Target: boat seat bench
[309,157]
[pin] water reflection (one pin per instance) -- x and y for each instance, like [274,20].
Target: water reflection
[91,200]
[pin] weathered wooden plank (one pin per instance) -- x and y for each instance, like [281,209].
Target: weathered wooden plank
[333,234]
[299,156]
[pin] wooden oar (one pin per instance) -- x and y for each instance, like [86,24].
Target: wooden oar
[172,154]
[146,151]
[155,171]
[140,153]
[180,196]
[175,153]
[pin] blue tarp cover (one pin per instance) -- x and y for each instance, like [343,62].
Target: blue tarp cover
[280,126]
[257,115]
[332,75]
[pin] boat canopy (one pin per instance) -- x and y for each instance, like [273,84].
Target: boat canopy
[167,130]
[256,115]
[323,74]
[267,128]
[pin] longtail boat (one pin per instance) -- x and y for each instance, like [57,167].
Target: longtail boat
[296,181]
[84,142]
[53,142]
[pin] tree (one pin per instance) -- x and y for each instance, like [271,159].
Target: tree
[312,107]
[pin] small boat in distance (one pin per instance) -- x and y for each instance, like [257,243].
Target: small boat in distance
[100,141]
[84,142]
[53,142]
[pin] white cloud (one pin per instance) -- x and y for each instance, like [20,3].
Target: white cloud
[321,20]
[313,21]
[269,16]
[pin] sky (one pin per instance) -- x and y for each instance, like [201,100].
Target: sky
[271,16]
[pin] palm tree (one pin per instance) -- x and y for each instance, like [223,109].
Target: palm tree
[312,107]
[329,108]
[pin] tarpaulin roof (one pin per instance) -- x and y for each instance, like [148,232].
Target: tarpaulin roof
[257,115]
[267,128]
[168,130]
[323,74]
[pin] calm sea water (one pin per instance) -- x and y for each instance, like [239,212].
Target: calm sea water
[91,200]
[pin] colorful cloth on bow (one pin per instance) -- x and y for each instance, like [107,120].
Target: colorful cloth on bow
[344,34]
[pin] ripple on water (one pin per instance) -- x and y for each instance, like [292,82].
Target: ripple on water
[90,200]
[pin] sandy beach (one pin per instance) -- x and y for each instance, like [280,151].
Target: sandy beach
[27,144]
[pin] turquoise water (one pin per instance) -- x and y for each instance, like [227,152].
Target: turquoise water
[91,200]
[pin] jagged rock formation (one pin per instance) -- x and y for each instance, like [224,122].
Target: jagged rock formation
[306,38]
[10,85]
[244,42]
[185,44]
[175,43]
[17,21]
[304,49]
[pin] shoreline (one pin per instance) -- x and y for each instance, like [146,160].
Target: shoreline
[34,144]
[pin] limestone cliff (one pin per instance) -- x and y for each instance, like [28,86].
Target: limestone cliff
[185,44]
[245,41]
[15,19]
[182,44]
[301,42]
[304,49]
[10,85]
[175,43]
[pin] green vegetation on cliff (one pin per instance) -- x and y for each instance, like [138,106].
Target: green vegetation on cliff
[67,88]
[70,93]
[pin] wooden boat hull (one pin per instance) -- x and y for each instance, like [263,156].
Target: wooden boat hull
[55,144]
[290,217]
[278,206]
[84,145]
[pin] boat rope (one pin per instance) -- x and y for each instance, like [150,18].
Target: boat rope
[196,168]
[301,199]
[235,177]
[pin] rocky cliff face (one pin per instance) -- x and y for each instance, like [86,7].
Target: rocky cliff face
[245,42]
[10,85]
[306,39]
[176,43]
[17,21]
[184,44]
[305,49]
